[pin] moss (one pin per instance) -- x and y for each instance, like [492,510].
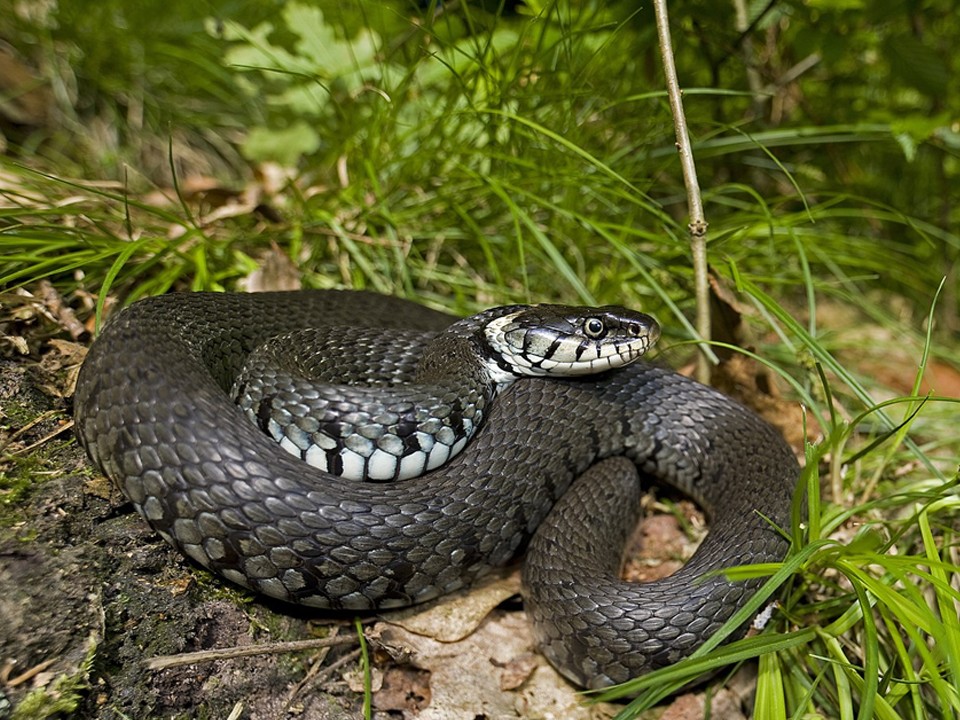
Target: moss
[22,475]
[63,695]
[18,477]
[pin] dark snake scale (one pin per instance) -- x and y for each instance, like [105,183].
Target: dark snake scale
[153,411]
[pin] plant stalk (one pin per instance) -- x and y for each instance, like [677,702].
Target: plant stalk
[698,223]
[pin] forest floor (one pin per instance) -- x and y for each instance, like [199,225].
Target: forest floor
[92,597]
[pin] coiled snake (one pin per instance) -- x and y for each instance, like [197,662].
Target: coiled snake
[153,412]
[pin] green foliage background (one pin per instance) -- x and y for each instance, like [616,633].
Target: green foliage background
[537,139]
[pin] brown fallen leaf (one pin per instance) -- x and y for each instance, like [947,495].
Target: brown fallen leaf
[726,317]
[276,271]
[456,616]
[466,676]
[693,706]
[358,683]
[25,96]
[745,379]
[403,689]
[516,672]
[658,548]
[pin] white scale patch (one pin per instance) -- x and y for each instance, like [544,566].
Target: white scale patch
[438,456]
[316,456]
[458,446]
[273,427]
[426,441]
[496,336]
[412,465]
[361,458]
[381,465]
[353,465]
[288,445]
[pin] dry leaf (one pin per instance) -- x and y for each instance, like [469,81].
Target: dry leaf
[276,271]
[403,689]
[455,616]
[746,380]
[357,682]
[723,704]
[466,676]
[516,672]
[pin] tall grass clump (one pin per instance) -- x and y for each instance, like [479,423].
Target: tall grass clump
[865,607]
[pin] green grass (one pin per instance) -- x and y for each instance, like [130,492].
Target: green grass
[866,620]
[472,159]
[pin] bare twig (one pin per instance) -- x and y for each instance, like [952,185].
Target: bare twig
[29,674]
[746,49]
[698,223]
[64,314]
[162,662]
[794,72]
[49,436]
[747,31]
[320,659]
[330,669]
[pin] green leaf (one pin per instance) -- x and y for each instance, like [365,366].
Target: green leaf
[920,126]
[285,146]
[918,65]
[330,57]
[835,5]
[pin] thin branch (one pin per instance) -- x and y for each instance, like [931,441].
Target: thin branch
[162,662]
[746,48]
[747,30]
[698,223]
[319,660]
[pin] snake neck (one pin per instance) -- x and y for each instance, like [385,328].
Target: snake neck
[464,346]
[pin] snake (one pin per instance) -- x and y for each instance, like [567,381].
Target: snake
[554,470]
[384,411]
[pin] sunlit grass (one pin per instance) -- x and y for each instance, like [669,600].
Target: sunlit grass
[867,601]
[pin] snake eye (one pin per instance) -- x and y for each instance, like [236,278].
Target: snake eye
[594,327]
[633,329]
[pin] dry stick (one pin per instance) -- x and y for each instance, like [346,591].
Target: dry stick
[336,665]
[320,659]
[746,48]
[698,223]
[162,662]
[49,436]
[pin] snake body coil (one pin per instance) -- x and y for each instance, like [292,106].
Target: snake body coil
[357,402]
[152,410]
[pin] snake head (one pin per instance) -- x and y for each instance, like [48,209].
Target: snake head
[559,340]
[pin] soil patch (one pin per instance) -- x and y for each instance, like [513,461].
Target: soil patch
[89,593]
